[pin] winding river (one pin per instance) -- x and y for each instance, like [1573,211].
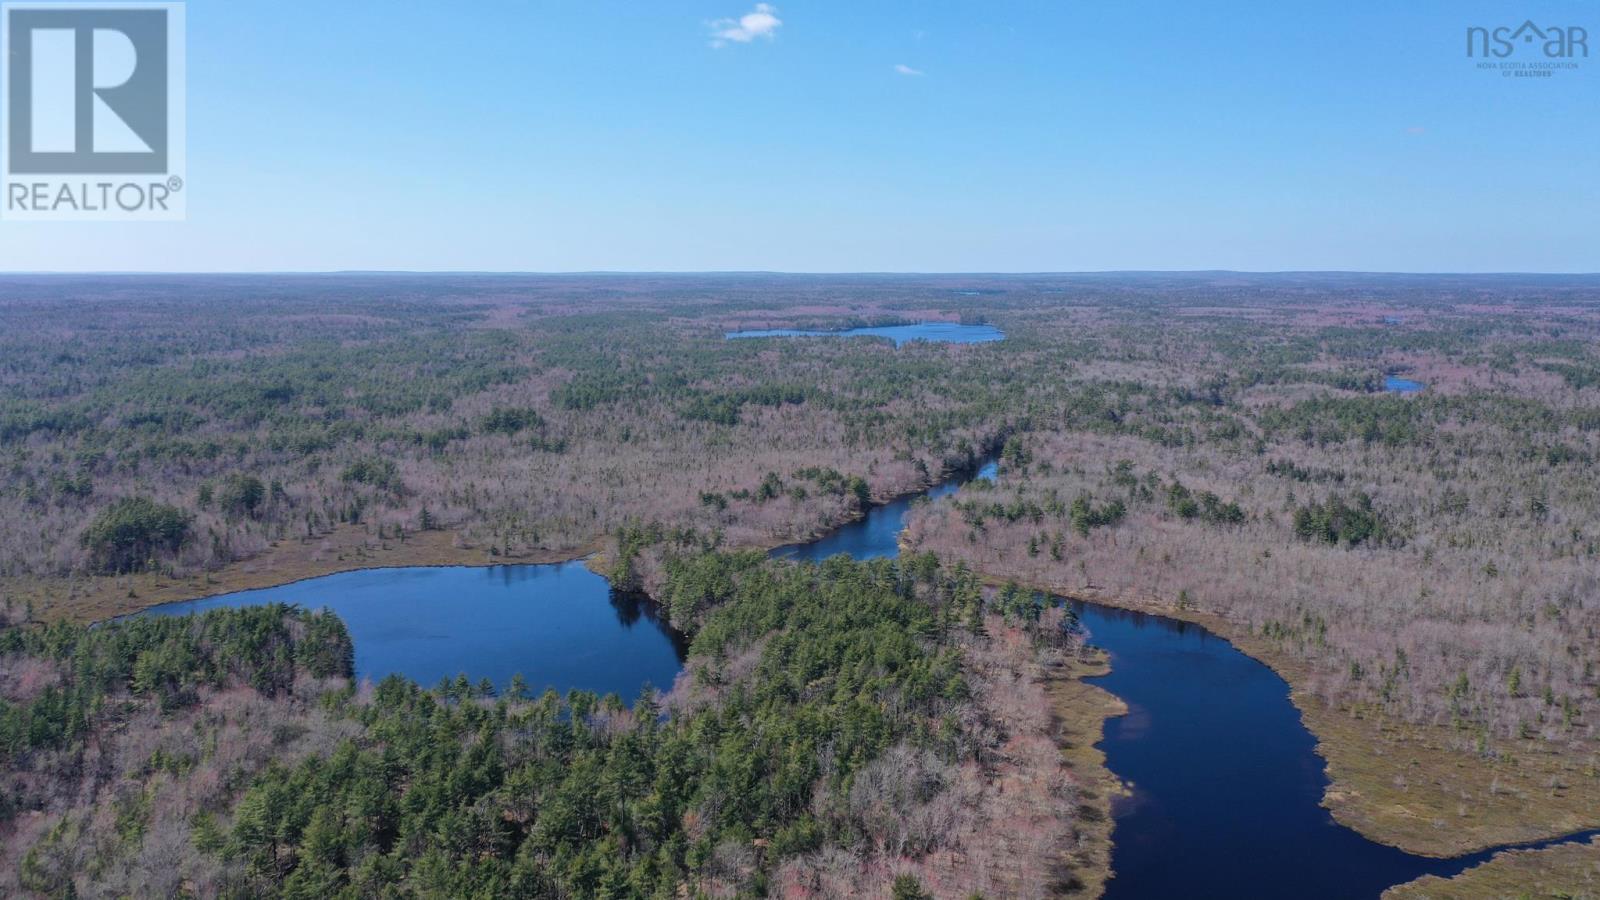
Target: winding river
[1225,782]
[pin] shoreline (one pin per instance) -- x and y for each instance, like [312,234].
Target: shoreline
[96,598]
[1340,750]
[1080,711]
[1566,870]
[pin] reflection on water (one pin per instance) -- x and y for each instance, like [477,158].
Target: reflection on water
[633,606]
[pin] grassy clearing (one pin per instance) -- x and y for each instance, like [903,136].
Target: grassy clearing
[1081,710]
[1402,784]
[1571,872]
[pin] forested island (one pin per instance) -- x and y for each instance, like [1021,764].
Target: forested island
[1230,450]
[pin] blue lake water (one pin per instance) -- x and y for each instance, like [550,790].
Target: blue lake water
[1401,385]
[937,332]
[560,626]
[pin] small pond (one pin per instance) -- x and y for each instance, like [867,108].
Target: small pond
[935,332]
[1398,385]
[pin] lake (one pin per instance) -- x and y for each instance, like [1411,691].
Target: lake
[935,332]
[1401,385]
[560,626]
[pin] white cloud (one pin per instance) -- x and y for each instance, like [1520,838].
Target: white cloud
[904,69]
[761,22]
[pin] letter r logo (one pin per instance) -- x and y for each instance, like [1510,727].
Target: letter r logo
[87,90]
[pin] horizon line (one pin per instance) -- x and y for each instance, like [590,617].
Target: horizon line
[777,272]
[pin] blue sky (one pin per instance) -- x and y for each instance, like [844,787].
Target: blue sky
[1049,136]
